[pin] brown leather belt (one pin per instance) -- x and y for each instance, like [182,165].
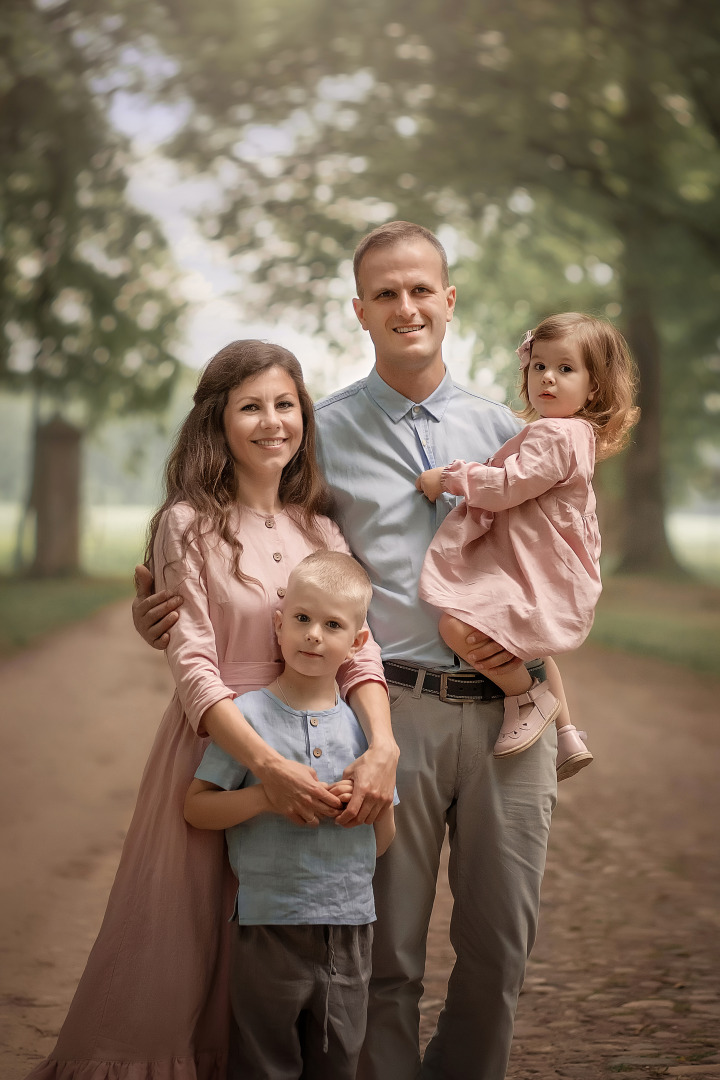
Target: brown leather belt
[447,685]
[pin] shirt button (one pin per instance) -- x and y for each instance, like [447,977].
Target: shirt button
[317,752]
[314,721]
[416,410]
[281,593]
[277,556]
[270,523]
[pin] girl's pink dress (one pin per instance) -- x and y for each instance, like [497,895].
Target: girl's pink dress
[519,558]
[153,1002]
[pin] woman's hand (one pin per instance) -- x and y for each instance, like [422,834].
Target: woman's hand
[294,791]
[430,483]
[373,776]
[153,613]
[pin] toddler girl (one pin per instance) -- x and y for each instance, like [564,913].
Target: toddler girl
[518,559]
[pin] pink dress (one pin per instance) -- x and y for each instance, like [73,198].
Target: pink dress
[519,559]
[153,1001]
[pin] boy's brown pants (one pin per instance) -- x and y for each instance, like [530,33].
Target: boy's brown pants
[299,997]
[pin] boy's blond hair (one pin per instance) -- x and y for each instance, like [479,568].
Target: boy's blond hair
[339,574]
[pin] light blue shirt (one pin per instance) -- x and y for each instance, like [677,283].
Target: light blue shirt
[373,444]
[287,873]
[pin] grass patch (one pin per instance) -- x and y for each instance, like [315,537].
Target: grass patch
[31,609]
[674,621]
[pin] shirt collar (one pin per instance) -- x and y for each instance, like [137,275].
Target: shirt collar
[396,405]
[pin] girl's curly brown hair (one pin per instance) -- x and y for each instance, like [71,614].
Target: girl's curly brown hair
[607,358]
[200,469]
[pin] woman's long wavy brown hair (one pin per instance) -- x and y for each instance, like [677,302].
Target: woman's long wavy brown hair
[200,469]
[607,358]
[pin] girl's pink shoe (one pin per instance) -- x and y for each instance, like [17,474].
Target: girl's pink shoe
[572,753]
[526,717]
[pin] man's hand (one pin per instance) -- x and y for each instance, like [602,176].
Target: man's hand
[153,613]
[487,655]
[430,483]
[294,791]
[373,776]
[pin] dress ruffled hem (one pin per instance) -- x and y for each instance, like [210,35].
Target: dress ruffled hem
[207,1066]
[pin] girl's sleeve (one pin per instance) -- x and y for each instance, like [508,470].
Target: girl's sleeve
[192,652]
[366,665]
[544,459]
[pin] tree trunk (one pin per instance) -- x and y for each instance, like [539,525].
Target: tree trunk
[56,499]
[645,548]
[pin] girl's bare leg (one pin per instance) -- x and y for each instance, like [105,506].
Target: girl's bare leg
[454,633]
[573,754]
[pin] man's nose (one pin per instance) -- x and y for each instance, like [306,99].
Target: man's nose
[406,304]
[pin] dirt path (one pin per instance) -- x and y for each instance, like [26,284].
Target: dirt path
[624,979]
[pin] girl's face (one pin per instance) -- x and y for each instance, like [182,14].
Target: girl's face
[559,384]
[263,423]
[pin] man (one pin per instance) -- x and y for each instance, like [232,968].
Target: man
[376,437]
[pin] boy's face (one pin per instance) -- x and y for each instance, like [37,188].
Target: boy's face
[316,630]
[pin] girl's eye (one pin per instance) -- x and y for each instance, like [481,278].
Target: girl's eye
[565,368]
[538,366]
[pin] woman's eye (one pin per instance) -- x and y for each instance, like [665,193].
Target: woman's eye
[286,404]
[249,408]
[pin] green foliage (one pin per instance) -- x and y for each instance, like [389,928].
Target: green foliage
[31,609]
[88,300]
[575,138]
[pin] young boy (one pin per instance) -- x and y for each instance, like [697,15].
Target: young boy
[304,904]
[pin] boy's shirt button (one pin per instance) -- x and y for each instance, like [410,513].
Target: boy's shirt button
[314,721]
[317,752]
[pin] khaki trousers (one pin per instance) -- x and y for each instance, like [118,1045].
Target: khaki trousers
[498,816]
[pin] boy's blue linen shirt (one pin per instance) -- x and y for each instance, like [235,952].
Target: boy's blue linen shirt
[294,874]
[373,445]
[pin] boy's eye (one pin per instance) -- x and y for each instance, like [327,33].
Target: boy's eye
[302,618]
[333,624]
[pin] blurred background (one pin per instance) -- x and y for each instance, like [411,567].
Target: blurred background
[174,175]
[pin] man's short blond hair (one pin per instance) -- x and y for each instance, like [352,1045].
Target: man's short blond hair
[398,232]
[337,573]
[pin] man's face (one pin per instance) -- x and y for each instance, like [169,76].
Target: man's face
[405,306]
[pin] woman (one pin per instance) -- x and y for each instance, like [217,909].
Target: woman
[245,502]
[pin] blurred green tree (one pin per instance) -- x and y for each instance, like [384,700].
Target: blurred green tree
[537,130]
[88,298]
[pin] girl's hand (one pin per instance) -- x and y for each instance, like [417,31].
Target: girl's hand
[430,483]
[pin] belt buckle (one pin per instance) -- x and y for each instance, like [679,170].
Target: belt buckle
[444,676]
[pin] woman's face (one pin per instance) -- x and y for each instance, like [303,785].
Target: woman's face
[263,423]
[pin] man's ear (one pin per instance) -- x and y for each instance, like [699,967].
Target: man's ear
[359,309]
[450,296]
[360,639]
